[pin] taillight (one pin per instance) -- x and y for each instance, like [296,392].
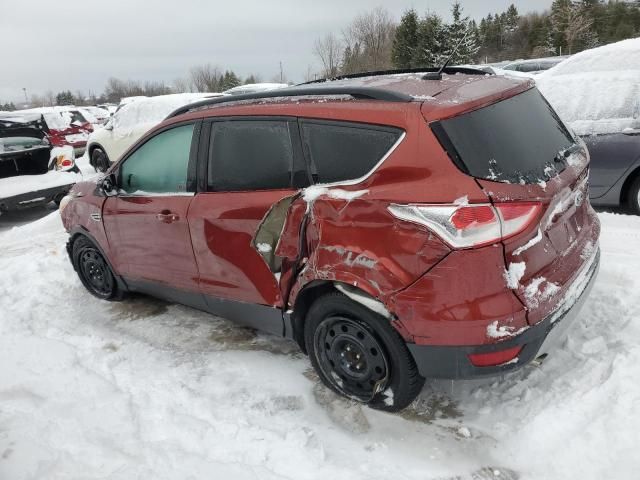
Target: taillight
[471,225]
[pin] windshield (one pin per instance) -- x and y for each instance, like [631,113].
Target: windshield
[517,140]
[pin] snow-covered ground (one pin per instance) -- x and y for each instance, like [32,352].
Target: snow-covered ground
[148,390]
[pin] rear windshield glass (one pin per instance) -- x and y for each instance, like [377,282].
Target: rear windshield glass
[517,140]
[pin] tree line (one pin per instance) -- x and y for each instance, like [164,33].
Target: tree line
[202,78]
[373,41]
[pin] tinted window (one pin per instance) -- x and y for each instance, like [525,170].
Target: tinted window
[345,152]
[250,155]
[160,165]
[513,141]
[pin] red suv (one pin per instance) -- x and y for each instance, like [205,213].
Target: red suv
[397,226]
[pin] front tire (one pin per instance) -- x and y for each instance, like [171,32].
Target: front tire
[99,160]
[633,196]
[94,271]
[359,355]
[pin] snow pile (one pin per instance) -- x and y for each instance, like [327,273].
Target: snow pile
[145,389]
[597,91]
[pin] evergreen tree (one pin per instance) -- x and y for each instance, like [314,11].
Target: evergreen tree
[65,98]
[461,33]
[405,41]
[229,80]
[431,46]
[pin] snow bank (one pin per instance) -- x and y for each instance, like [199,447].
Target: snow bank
[146,389]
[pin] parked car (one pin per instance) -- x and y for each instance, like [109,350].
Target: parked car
[60,132]
[597,92]
[32,172]
[101,115]
[130,122]
[534,65]
[254,88]
[398,227]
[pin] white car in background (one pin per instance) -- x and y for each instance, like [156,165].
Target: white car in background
[131,121]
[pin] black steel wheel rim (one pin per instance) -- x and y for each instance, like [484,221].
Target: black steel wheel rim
[96,272]
[351,357]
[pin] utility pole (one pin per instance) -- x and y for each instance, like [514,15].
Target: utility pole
[281,74]
[26,100]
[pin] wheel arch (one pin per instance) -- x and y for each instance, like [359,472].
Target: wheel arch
[80,231]
[626,185]
[315,289]
[92,147]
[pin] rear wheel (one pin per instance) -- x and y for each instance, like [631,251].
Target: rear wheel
[633,196]
[358,354]
[99,160]
[94,271]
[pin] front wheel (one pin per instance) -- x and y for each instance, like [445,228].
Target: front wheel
[358,354]
[94,271]
[99,160]
[633,196]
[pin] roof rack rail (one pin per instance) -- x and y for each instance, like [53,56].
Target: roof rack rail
[450,70]
[361,93]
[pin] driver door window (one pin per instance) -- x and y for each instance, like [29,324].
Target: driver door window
[160,165]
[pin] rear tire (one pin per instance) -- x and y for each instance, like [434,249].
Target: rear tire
[633,196]
[99,160]
[94,271]
[359,355]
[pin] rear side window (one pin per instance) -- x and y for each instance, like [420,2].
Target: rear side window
[514,141]
[339,152]
[160,165]
[250,155]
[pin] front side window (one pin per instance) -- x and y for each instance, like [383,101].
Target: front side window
[160,165]
[340,152]
[250,155]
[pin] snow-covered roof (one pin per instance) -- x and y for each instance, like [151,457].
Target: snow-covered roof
[152,110]
[597,91]
[254,87]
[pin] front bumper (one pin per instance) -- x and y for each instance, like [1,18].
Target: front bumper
[452,362]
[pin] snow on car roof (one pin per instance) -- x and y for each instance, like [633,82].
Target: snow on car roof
[597,91]
[152,110]
[254,87]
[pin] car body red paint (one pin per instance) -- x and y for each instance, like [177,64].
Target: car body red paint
[447,303]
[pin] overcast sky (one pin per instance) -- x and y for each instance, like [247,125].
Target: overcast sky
[78,44]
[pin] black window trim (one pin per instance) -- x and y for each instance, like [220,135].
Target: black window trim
[191,167]
[296,144]
[350,124]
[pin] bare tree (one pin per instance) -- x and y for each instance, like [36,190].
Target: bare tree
[329,51]
[181,85]
[49,98]
[575,23]
[205,78]
[369,40]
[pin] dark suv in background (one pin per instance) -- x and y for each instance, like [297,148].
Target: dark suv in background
[397,226]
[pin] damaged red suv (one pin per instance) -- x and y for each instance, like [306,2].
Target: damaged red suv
[398,226]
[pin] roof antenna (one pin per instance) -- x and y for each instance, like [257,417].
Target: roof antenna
[438,75]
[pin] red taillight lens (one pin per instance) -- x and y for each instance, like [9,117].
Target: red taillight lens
[66,163]
[472,225]
[465,217]
[492,359]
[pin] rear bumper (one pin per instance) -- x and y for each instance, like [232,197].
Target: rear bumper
[452,362]
[33,199]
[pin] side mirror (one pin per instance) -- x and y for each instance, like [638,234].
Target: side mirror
[108,185]
[108,126]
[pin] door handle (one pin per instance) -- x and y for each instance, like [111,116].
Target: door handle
[167,217]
